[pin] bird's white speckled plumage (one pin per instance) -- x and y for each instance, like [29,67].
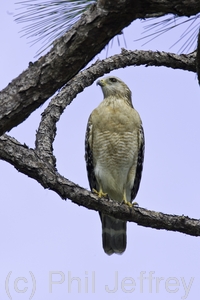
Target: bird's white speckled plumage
[115,147]
[115,143]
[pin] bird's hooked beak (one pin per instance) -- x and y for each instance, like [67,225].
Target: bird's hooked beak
[101,82]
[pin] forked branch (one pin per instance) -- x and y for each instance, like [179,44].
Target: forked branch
[27,161]
[39,163]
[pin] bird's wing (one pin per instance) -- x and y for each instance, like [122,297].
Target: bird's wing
[89,156]
[139,164]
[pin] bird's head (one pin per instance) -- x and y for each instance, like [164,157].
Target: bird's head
[113,86]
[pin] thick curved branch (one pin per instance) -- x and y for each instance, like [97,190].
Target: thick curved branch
[27,161]
[74,50]
[47,129]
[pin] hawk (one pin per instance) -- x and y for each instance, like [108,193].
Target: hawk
[114,153]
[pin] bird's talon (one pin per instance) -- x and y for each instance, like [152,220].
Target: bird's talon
[127,203]
[95,191]
[135,204]
[100,194]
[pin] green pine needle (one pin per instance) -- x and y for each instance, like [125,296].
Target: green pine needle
[48,20]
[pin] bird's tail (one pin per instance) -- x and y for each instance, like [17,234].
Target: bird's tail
[113,234]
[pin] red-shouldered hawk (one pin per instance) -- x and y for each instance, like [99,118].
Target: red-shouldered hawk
[114,153]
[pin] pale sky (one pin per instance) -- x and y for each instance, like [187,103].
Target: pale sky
[50,248]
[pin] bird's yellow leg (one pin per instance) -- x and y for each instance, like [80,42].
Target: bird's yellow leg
[125,200]
[100,193]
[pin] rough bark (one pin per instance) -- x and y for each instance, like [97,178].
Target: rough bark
[47,129]
[68,56]
[28,162]
[40,163]
[74,50]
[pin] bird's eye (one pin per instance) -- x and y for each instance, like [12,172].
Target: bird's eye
[113,79]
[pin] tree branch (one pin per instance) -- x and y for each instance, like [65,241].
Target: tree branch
[74,50]
[39,164]
[47,129]
[27,161]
